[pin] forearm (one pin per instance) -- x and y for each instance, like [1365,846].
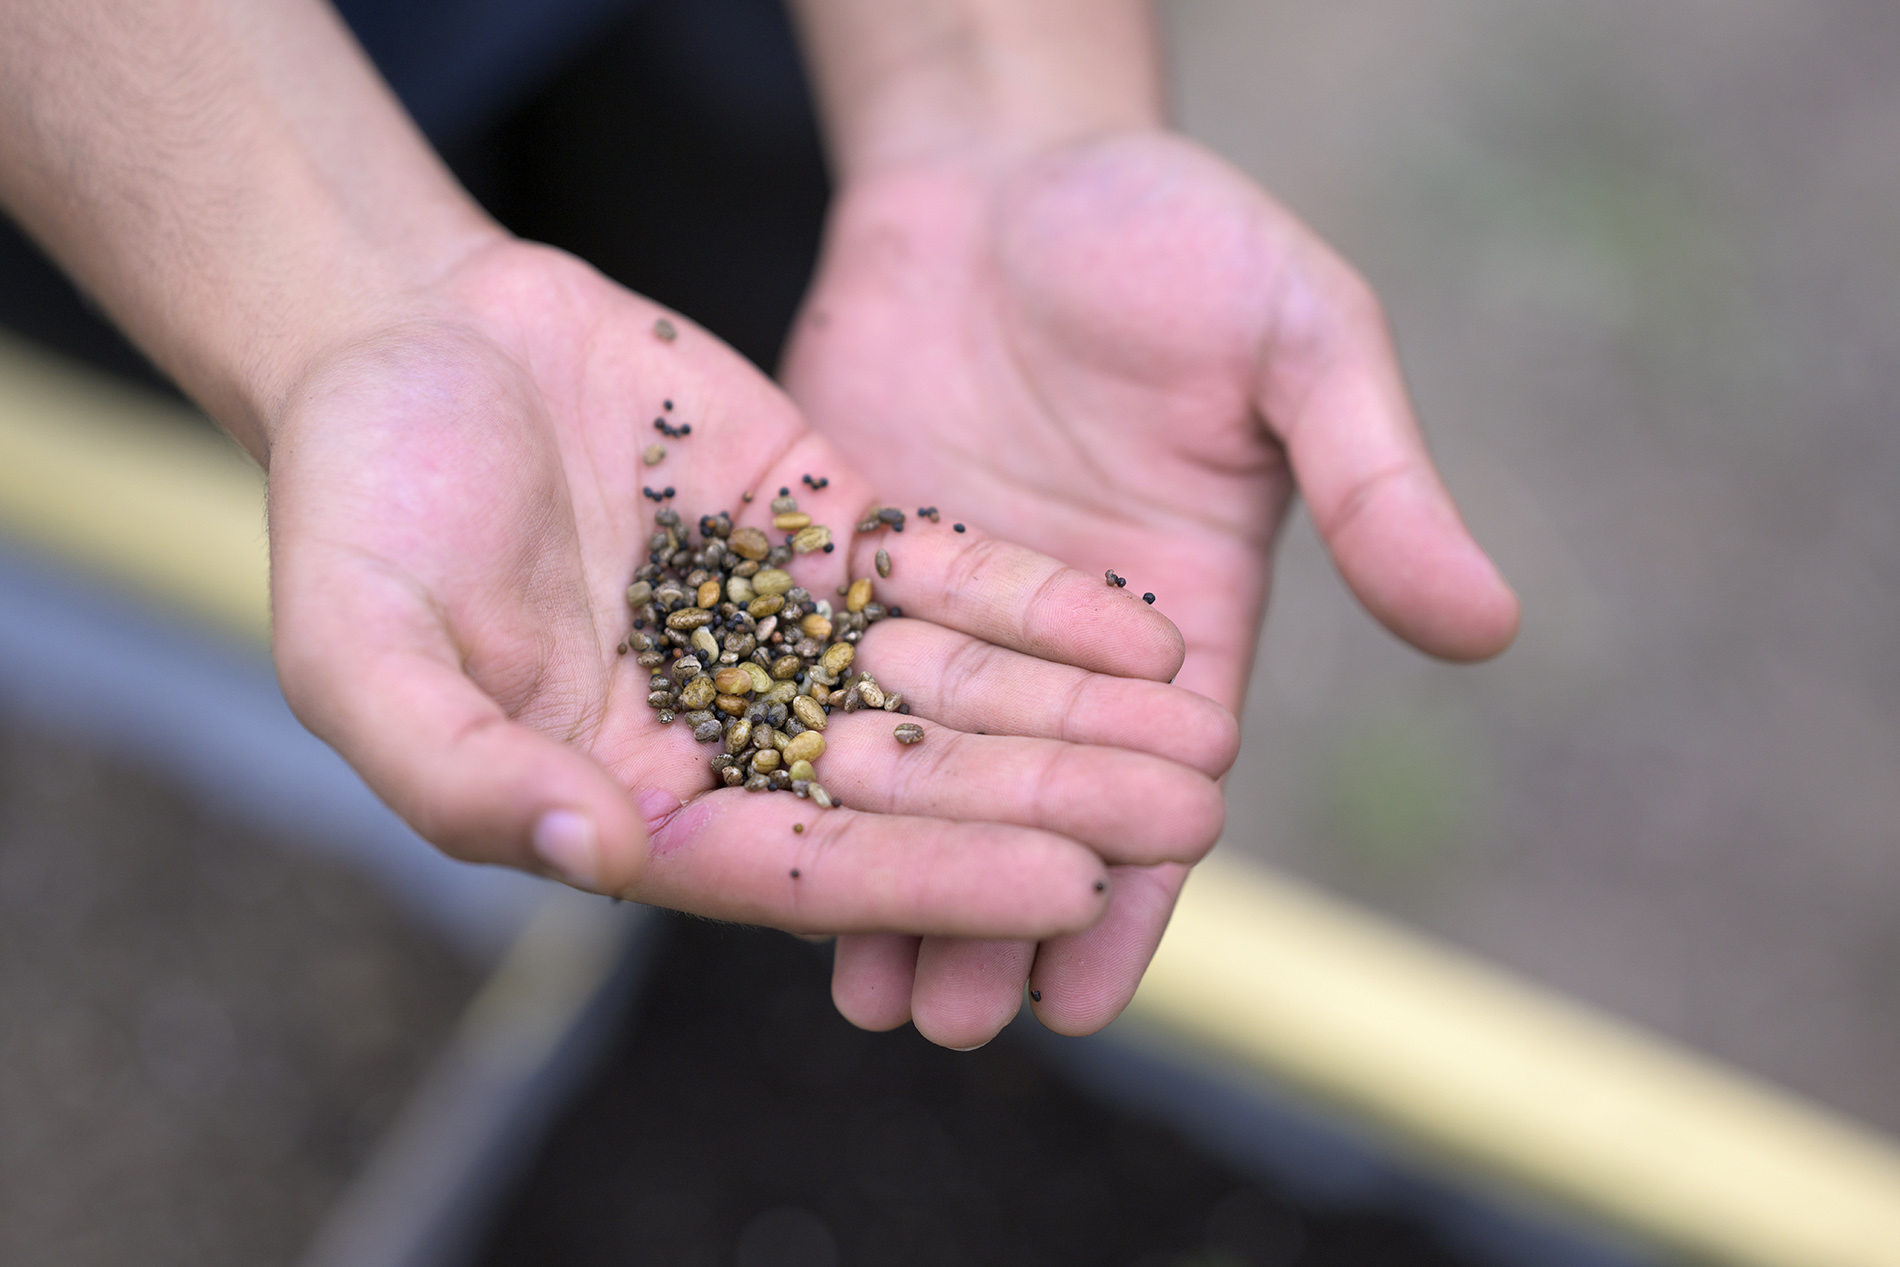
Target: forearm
[903,80]
[229,178]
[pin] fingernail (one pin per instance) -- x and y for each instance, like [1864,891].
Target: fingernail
[564,841]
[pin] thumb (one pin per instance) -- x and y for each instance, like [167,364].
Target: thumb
[472,781]
[1329,386]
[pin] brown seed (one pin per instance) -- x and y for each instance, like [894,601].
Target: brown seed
[893,701]
[806,747]
[689,618]
[659,699]
[708,595]
[784,504]
[909,732]
[859,595]
[791,521]
[698,693]
[798,828]
[816,626]
[772,581]
[731,705]
[733,681]
[748,543]
[638,593]
[654,455]
[650,659]
[781,693]
[706,732]
[808,648]
[816,537]
[766,760]
[838,658]
[870,693]
[765,606]
[739,736]
[761,680]
[800,770]
[820,797]
[806,709]
[732,776]
[786,667]
[818,691]
[665,331]
[883,564]
[758,783]
[853,701]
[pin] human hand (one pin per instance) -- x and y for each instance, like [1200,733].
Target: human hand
[456,508]
[1127,353]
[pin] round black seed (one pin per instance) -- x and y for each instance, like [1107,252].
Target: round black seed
[958,527]
[669,491]
[1099,886]
[1035,996]
[831,545]
[784,491]
[668,404]
[794,873]
[897,611]
[1148,598]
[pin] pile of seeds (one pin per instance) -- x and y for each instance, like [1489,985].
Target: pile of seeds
[750,660]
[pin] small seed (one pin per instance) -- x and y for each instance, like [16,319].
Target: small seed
[798,828]
[806,747]
[816,626]
[767,628]
[638,593]
[708,595]
[909,732]
[772,581]
[659,699]
[853,701]
[787,667]
[870,693]
[838,657]
[791,521]
[733,681]
[698,693]
[819,796]
[749,543]
[781,693]
[731,705]
[883,564]
[766,760]
[800,771]
[665,330]
[689,618]
[654,455]
[739,590]
[1035,996]
[758,783]
[765,605]
[732,776]
[761,680]
[893,701]
[784,503]
[958,527]
[859,595]
[1148,598]
[816,537]
[706,732]
[739,736]
[806,709]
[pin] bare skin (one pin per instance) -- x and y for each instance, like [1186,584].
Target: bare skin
[1109,340]
[451,421]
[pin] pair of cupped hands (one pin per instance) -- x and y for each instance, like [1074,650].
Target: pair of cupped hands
[1112,354]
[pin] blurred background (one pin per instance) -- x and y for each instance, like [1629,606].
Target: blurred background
[1643,263]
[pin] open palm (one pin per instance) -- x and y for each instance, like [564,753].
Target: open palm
[456,508]
[1123,354]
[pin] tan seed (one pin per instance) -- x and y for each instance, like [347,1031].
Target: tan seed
[883,562]
[816,626]
[781,693]
[731,705]
[801,770]
[784,504]
[708,595]
[738,736]
[638,593]
[893,701]
[786,667]
[766,760]
[806,747]
[772,580]
[654,455]
[767,628]
[820,797]
[791,521]
[781,741]
[739,590]
[909,732]
[871,693]
[765,606]
[749,543]
[698,693]
[818,691]
[761,680]
[838,658]
[703,642]
[689,618]
[733,681]
[806,709]
[859,595]
[816,537]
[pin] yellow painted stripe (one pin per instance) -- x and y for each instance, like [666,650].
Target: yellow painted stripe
[1470,1062]
[124,483]
[1448,1052]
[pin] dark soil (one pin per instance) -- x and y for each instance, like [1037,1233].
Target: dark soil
[740,1119]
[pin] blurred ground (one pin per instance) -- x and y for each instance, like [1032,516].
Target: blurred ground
[1644,266]
[201,1035]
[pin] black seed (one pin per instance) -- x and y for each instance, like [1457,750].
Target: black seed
[1036,995]
[669,491]
[830,546]
[784,491]
[897,611]
[1147,598]
[668,404]
[1099,886]
[958,527]
[794,873]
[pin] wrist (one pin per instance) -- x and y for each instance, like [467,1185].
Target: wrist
[905,82]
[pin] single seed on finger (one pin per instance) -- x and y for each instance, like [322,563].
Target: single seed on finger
[1148,597]
[883,564]
[665,330]
[909,733]
[958,527]
[798,828]
[1035,996]
[819,796]
[791,521]
[654,455]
